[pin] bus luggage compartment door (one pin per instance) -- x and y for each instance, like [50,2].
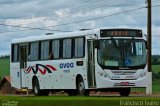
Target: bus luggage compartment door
[91,65]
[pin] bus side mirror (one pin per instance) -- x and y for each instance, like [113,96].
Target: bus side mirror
[97,44]
[145,35]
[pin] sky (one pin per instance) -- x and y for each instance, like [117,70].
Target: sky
[19,17]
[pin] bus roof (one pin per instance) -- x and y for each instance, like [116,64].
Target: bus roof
[55,36]
[62,35]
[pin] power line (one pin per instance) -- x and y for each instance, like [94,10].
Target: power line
[83,6]
[75,10]
[98,17]
[44,28]
[118,13]
[30,28]
[155,5]
[81,11]
[95,6]
[23,27]
[14,31]
[156,35]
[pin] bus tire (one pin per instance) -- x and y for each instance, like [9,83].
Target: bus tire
[81,91]
[125,92]
[36,87]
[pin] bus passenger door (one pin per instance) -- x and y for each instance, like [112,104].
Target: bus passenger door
[23,65]
[91,65]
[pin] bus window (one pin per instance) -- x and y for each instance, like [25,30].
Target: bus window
[79,47]
[55,49]
[44,50]
[15,52]
[67,48]
[34,51]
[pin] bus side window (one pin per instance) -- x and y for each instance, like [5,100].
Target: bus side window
[15,53]
[55,49]
[44,50]
[51,57]
[67,48]
[79,47]
[34,51]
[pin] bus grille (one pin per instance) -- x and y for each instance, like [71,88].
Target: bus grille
[122,72]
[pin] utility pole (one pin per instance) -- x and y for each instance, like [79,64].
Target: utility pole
[149,43]
[149,33]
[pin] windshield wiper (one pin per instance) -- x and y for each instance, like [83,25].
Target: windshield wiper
[114,42]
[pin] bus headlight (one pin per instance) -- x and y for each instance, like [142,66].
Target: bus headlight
[143,74]
[102,74]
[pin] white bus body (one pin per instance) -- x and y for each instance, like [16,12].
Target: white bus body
[82,69]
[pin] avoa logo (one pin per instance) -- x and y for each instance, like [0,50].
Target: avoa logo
[66,65]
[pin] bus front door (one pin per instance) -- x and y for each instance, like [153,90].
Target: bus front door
[91,65]
[23,65]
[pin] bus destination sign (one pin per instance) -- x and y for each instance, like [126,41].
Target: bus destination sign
[120,33]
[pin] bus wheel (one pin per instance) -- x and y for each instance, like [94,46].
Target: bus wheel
[125,91]
[81,88]
[36,88]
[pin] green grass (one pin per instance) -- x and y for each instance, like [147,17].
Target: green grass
[4,67]
[75,101]
[156,68]
[156,86]
[156,83]
[76,98]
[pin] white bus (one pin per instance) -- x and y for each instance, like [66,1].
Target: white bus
[81,61]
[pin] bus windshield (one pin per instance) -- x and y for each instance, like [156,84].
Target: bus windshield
[122,53]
